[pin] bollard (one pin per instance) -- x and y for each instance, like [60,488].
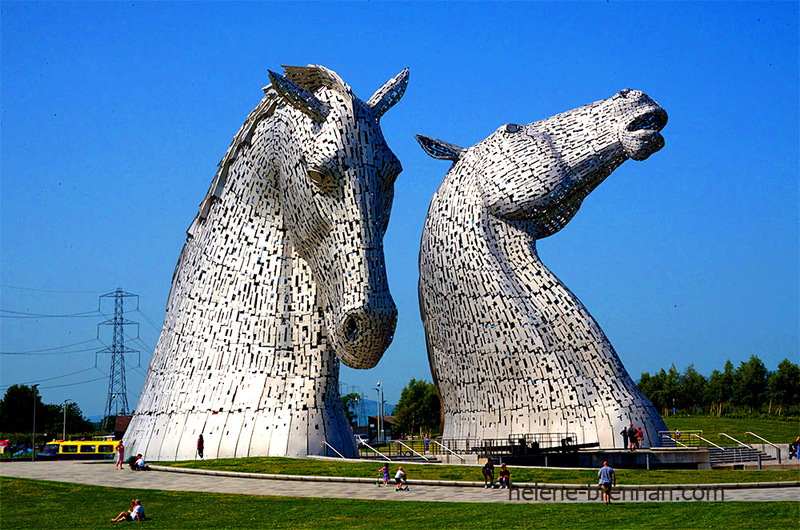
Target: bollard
[545,460]
[648,461]
[759,461]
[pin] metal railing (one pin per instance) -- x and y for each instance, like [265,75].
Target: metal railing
[684,440]
[521,442]
[413,451]
[550,439]
[332,448]
[365,444]
[777,449]
[449,451]
[709,442]
[460,445]
[734,439]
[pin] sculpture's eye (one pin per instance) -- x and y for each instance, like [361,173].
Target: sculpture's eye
[512,128]
[322,179]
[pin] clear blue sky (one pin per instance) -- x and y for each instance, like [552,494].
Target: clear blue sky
[114,116]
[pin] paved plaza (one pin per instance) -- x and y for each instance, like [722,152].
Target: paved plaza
[104,474]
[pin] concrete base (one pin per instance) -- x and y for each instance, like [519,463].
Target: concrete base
[766,464]
[620,459]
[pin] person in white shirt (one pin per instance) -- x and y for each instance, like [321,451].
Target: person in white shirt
[136,513]
[400,478]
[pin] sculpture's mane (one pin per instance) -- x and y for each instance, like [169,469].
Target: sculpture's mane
[311,78]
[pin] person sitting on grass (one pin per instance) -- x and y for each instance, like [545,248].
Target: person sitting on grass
[400,478]
[488,474]
[505,477]
[136,513]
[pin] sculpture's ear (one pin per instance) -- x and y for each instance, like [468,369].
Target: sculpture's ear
[298,97]
[390,93]
[439,149]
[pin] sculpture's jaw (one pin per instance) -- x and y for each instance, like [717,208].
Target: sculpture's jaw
[641,137]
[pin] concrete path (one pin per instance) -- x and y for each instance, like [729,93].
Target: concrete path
[104,474]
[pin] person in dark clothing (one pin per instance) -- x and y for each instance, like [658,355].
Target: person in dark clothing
[505,477]
[200,445]
[624,434]
[632,437]
[488,474]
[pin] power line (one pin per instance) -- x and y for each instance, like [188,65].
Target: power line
[51,378]
[148,320]
[23,314]
[4,286]
[78,383]
[68,352]
[48,349]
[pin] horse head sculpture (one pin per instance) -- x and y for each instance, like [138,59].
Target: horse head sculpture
[512,350]
[542,171]
[336,177]
[282,273]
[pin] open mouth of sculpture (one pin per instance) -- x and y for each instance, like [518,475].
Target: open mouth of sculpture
[652,121]
[642,137]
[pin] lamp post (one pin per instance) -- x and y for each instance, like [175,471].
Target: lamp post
[64,434]
[33,446]
[378,390]
[380,411]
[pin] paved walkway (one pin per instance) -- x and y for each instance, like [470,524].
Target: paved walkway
[104,474]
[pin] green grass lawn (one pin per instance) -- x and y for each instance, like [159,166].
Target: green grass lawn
[780,433]
[27,504]
[303,466]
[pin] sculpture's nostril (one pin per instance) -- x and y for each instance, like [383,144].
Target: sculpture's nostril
[351,329]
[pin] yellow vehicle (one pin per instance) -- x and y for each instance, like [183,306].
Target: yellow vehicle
[83,450]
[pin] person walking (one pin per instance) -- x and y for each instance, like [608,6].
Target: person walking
[607,478]
[120,456]
[200,445]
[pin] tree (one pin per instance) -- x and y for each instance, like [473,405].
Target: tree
[783,385]
[350,403]
[671,387]
[16,413]
[649,387]
[76,423]
[653,387]
[720,387]
[16,409]
[693,388]
[418,408]
[750,383]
